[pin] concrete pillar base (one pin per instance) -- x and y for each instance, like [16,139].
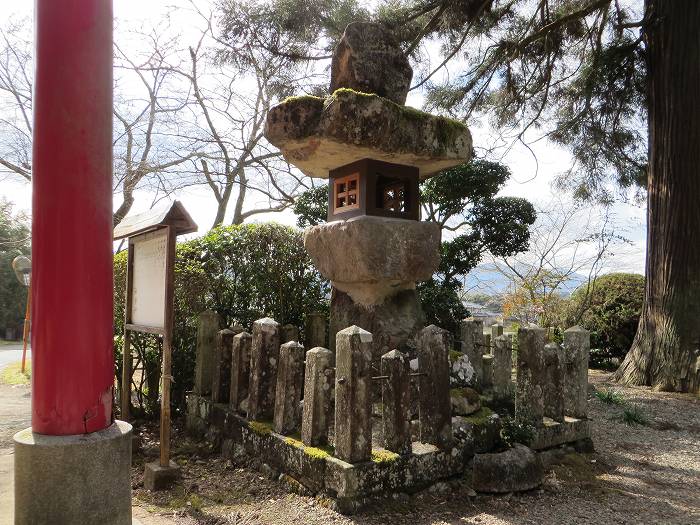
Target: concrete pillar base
[157,477]
[73,479]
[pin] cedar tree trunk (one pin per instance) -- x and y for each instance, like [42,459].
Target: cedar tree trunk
[666,350]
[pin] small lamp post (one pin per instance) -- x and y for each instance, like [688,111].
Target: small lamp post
[23,271]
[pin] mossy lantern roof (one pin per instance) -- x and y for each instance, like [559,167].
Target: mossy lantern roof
[321,134]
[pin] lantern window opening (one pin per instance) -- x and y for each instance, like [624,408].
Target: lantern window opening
[391,194]
[345,190]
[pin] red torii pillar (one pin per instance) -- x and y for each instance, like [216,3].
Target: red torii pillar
[72,465]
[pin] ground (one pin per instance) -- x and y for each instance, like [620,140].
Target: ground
[640,473]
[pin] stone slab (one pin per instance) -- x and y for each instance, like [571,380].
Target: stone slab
[82,478]
[318,135]
[553,433]
[349,483]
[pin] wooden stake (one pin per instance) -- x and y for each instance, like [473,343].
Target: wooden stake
[127,362]
[25,332]
[167,349]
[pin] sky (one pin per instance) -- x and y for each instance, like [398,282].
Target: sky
[532,172]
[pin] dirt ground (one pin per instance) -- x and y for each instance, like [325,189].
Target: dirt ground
[642,473]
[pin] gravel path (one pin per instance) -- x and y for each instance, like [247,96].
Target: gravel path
[639,474]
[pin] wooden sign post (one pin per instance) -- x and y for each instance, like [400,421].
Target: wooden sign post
[149,304]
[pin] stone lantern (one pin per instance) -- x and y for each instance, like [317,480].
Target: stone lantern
[374,151]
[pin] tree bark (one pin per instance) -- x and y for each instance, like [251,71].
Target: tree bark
[666,350]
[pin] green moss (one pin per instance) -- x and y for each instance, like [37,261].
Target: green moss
[302,98]
[261,428]
[481,417]
[383,456]
[290,440]
[454,355]
[466,392]
[348,91]
[447,128]
[314,452]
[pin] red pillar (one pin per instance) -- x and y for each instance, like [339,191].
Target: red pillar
[72,362]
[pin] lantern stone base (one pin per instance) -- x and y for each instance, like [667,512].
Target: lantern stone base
[393,324]
[371,258]
[73,479]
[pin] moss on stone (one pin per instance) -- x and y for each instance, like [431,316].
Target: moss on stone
[454,355]
[348,91]
[302,98]
[289,440]
[383,456]
[314,452]
[261,428]
[447,129]
[480,417]
[468,393]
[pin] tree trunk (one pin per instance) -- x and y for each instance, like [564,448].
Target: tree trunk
[127,203]
[666,350]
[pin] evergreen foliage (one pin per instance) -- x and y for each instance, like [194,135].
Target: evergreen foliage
[609,308]
[242,272]
[14,241]
[474,221]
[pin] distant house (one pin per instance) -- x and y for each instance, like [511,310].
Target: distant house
[479,311]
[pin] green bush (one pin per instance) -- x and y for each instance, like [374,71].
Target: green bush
[242,272]
[610,310]
[516,431]
[14,241]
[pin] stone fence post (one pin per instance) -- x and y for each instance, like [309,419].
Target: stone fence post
[207,329]
[290,382]
[318,386]
[289,332]
[529,400]
[577,346]
[315,330]
[472,334]
[502,365]
[435,406]
[220,388]
[353,401]
[553,385]
[240,370]
[496,331]
[396,401]
[264,356]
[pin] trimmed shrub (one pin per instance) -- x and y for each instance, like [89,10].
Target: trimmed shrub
[611,310]
[242,272]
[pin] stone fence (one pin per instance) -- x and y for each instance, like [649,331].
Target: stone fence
[324,396]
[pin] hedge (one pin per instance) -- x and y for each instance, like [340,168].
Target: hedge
[242,272]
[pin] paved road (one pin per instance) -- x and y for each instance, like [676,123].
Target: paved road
[11,354]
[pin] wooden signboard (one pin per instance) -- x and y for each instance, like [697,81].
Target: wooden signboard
[149,301]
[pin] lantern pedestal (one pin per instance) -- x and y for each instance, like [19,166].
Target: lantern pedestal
[373,264]
[81,478]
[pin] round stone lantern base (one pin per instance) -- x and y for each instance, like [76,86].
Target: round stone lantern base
[73,479]
[373,258]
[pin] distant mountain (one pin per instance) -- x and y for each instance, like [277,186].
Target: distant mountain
[485,278]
